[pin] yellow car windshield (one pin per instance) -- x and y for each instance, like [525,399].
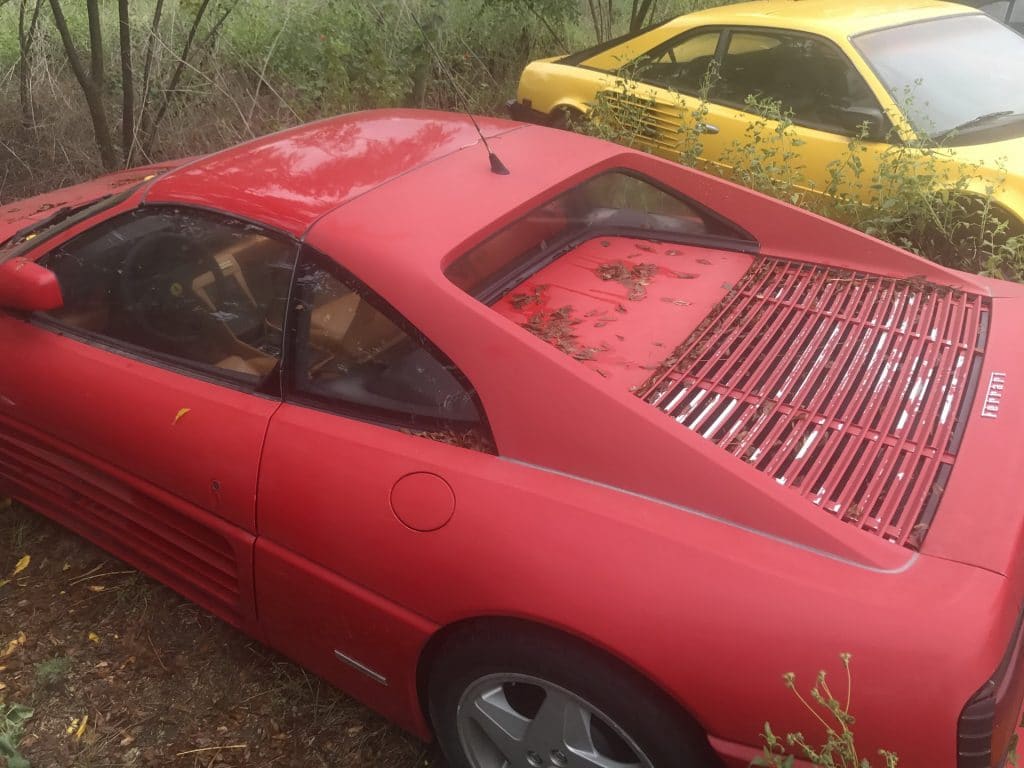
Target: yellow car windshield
[972,97]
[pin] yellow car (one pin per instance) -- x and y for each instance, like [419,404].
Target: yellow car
[908,71]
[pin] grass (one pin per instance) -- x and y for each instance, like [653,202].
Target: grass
[120,670]
[52,671]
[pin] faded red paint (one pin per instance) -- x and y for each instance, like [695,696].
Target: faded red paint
[599,516]
[18,215]
[622,305]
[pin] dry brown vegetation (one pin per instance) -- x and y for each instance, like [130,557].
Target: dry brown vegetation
[120,671]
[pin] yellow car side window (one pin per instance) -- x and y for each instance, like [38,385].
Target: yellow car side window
[680,66]
[701,46]
[807,76]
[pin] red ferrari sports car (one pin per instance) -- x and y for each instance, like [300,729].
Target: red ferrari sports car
[565,466]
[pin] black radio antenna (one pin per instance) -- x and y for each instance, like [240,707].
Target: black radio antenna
[497,166]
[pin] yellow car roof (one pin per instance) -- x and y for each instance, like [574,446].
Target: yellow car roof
[831,18]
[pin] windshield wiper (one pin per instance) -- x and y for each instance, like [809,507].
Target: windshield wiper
[38,226]
[974,122]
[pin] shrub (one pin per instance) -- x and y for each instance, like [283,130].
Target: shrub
[839,749]
[914,197]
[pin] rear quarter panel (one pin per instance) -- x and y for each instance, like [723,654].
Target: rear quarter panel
[712,613]
[549,86]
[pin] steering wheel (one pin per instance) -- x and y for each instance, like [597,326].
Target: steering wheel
[157,286]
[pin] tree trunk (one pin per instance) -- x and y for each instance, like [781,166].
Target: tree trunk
[425,54]
[91,82]
[640,15]
[127,83]
[25,39]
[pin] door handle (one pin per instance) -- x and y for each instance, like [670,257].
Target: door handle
[709,128]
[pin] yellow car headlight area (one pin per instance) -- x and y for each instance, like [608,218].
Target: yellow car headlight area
[935,75]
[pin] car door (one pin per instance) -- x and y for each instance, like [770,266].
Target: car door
[814,83]
[658,101]
[136,413]
[378,437]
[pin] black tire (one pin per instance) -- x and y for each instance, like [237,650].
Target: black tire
[475,657]
[567,119]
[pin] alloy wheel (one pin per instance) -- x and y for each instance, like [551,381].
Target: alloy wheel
[521,721]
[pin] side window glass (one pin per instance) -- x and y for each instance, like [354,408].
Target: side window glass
[808,76]
[681,65]
[352,355]
[207,291]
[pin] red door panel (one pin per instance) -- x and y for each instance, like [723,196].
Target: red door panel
[330,533]
[311,614]
[155,465]
[126,412]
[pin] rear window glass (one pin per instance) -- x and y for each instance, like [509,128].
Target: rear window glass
[612,203]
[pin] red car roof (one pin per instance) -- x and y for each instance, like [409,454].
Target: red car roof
[290,179]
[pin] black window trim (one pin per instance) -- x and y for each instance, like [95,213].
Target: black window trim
[10,249]
[575,59]
[721,29]
[396,420]
[269,385]
[211,374]
[508,279]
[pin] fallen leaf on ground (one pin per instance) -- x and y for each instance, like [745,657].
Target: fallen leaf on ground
[81,728]
[12,646]
[21,566]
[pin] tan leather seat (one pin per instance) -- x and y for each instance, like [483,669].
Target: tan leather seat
[353,328]
[254,366]
[330,322]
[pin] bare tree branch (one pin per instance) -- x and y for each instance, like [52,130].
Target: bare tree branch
[143,124]
[168,91]
[199,50]
[25,39]
[127,82]
[91,85]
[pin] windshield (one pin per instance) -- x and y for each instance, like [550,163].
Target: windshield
[956,75]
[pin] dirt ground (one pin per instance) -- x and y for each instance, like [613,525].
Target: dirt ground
[120,671]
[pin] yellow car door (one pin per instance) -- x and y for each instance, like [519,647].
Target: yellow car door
[655,101]
[813,82]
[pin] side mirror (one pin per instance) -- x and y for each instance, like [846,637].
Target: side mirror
[850,119]
[29,287]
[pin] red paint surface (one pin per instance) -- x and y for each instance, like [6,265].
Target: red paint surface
[291,178]
[26,285]
[599,517]
[623,329]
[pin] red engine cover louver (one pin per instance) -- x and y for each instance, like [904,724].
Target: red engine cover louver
[850,388]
